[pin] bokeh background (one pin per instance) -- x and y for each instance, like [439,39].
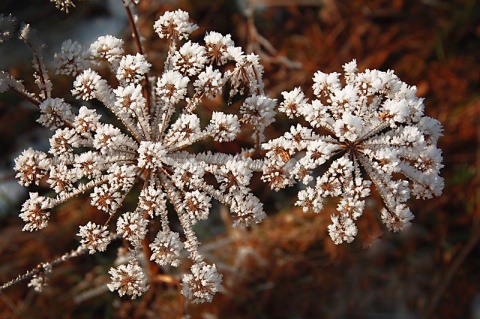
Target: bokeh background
[286,267]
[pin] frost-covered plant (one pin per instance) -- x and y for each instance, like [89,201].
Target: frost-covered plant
[366,130]
[373,131]
[150,149]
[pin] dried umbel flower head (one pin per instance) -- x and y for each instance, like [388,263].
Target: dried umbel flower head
[374,132]
[148,149]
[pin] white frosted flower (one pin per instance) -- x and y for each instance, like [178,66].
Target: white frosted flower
[189,59]
[130,100]
[184,130]
[132,226]
[217,47]
[94,237]
[293,101]
[88,85]
[188,174]
[105,137]
[86,121]
[399,220]
[106,199]
[150,155]
[233,176]
[71,59]
[40,280]
[248,210]
[128,279]
[107,48]
[172,86]
[152,200]
[209,82]
[202,283]
[34,212]
[174,25]
[55,113]
[88,164]
[223,127]
[122,177]
[375,134]
[258,111]
[31,167]
[133,68]
[342,229]
[197,205]
[61,178]
[166,248]
[63,141]
[324,84]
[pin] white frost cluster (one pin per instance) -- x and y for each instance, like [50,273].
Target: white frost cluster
[128,279]
[374,133]
[202,283]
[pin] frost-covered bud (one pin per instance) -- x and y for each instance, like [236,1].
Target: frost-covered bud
[94,237]
[217,47]
[293,102]
[342,229]
[61,178]
[209,82]
[248,210]
[55,113]
[128,279]
[31,167]
[63,141]
[130,100]
[132,227]
[174,25]
[324,84]
[150,155]
[106,199]
[71,60]
[184,130]
[152,200]
[166,248]
[197,205]
[132,68]
[86,121]
[309,201]
[34,212]
[190,59]
[223,127]
[107,48]
[172,87]
[398,220]
[105,137]
[122,176]
[88,84]
[188,174]
[88,164]
[233,176]
[202,283]
[258,111]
